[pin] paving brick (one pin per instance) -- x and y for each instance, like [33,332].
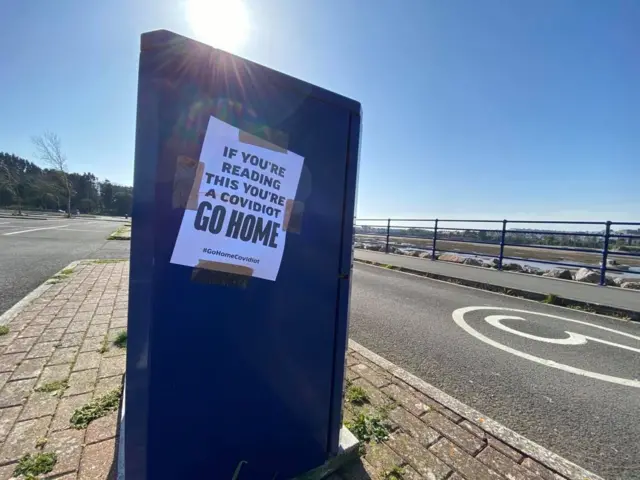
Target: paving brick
[453,432]
[103,428]
[406,399]
[462,462]
[87,360]
[32,331]
[78,327]
[72,339]
[100,319]
[504,449]
[423,461]
[97,330]
[378,380]
[9,337]
[6,472]
[9,361]
[88,307]
[64,355]
[97,460]
[16,393]
[451,415]
[68,446]
[29,369]
[4,378]
[92,344]
[376,397]
[39,404]
[105,385]
[8,416]
[22,438]
[66,407]
[359,469]
[414,426]
[120,313]
[540,470]
[473,428]
[82,316]
[351,375]
[504,465]
[43,319]
[104,310]
[81,382]
[42,350]
[120,323]
[55,373]
[59,324]
[21,345]
[382,458]
[112,366]
[53,334]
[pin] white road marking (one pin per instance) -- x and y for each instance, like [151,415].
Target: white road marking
[34,230]
[78,230]
[458,317]
[4,223]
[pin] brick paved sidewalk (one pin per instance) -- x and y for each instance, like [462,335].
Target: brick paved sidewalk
[425,439]
[57,357]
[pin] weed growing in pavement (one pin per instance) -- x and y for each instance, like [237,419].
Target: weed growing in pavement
[119,234]
[110,260]
[56,387]
[121,339]
[550,298]
[95,409]
[41,442]
[32,465]
[357,395]
[367,427]
[4,330]
[104,348]
[395,473]
[58,277]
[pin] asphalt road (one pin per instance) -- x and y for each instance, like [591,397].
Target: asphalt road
[31,251]
[591,420]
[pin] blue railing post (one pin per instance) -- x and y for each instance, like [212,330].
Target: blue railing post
[605,253]
[386,247]
[435,239]
[504,231]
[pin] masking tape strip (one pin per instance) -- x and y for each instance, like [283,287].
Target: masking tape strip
[293,211]
[192,204]
[246,137]
[225,267]
[186,169]
[216,273]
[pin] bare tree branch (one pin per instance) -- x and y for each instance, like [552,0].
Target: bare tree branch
[49,150]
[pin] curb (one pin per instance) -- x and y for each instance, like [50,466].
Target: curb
[515,292]
[23,217]
[530,448]
[14,311]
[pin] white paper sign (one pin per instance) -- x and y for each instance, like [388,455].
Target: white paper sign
[240,206]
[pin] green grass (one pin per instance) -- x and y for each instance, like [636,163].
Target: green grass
[32,465]
[60,276]
[110,260]
[95,409]
[121,339]
[369,428]
[396,473]
[66,271]
[119,234]
[357,395]
[4,330]
[550,298]
[52,387]
[104,348]
[41,442]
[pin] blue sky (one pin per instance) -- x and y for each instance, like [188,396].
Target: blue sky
[472,108]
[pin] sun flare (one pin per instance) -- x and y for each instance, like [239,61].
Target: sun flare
[222,24]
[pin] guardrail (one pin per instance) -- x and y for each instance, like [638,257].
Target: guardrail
[596,243]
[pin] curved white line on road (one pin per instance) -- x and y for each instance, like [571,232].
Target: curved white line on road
[458,317]
[495,320]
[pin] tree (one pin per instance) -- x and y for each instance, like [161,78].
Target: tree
[123,202]
[49,150]
[14,179]
[106,195]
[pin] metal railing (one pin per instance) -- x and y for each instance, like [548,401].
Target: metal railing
[595,244]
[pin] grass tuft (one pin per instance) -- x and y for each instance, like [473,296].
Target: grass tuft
[32,465]
[550,298]
[104,348]
[110,260]
[357,395]
[121,339]
[367,427]
[95,409]
[58,386]
[4,330]
[395,473]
